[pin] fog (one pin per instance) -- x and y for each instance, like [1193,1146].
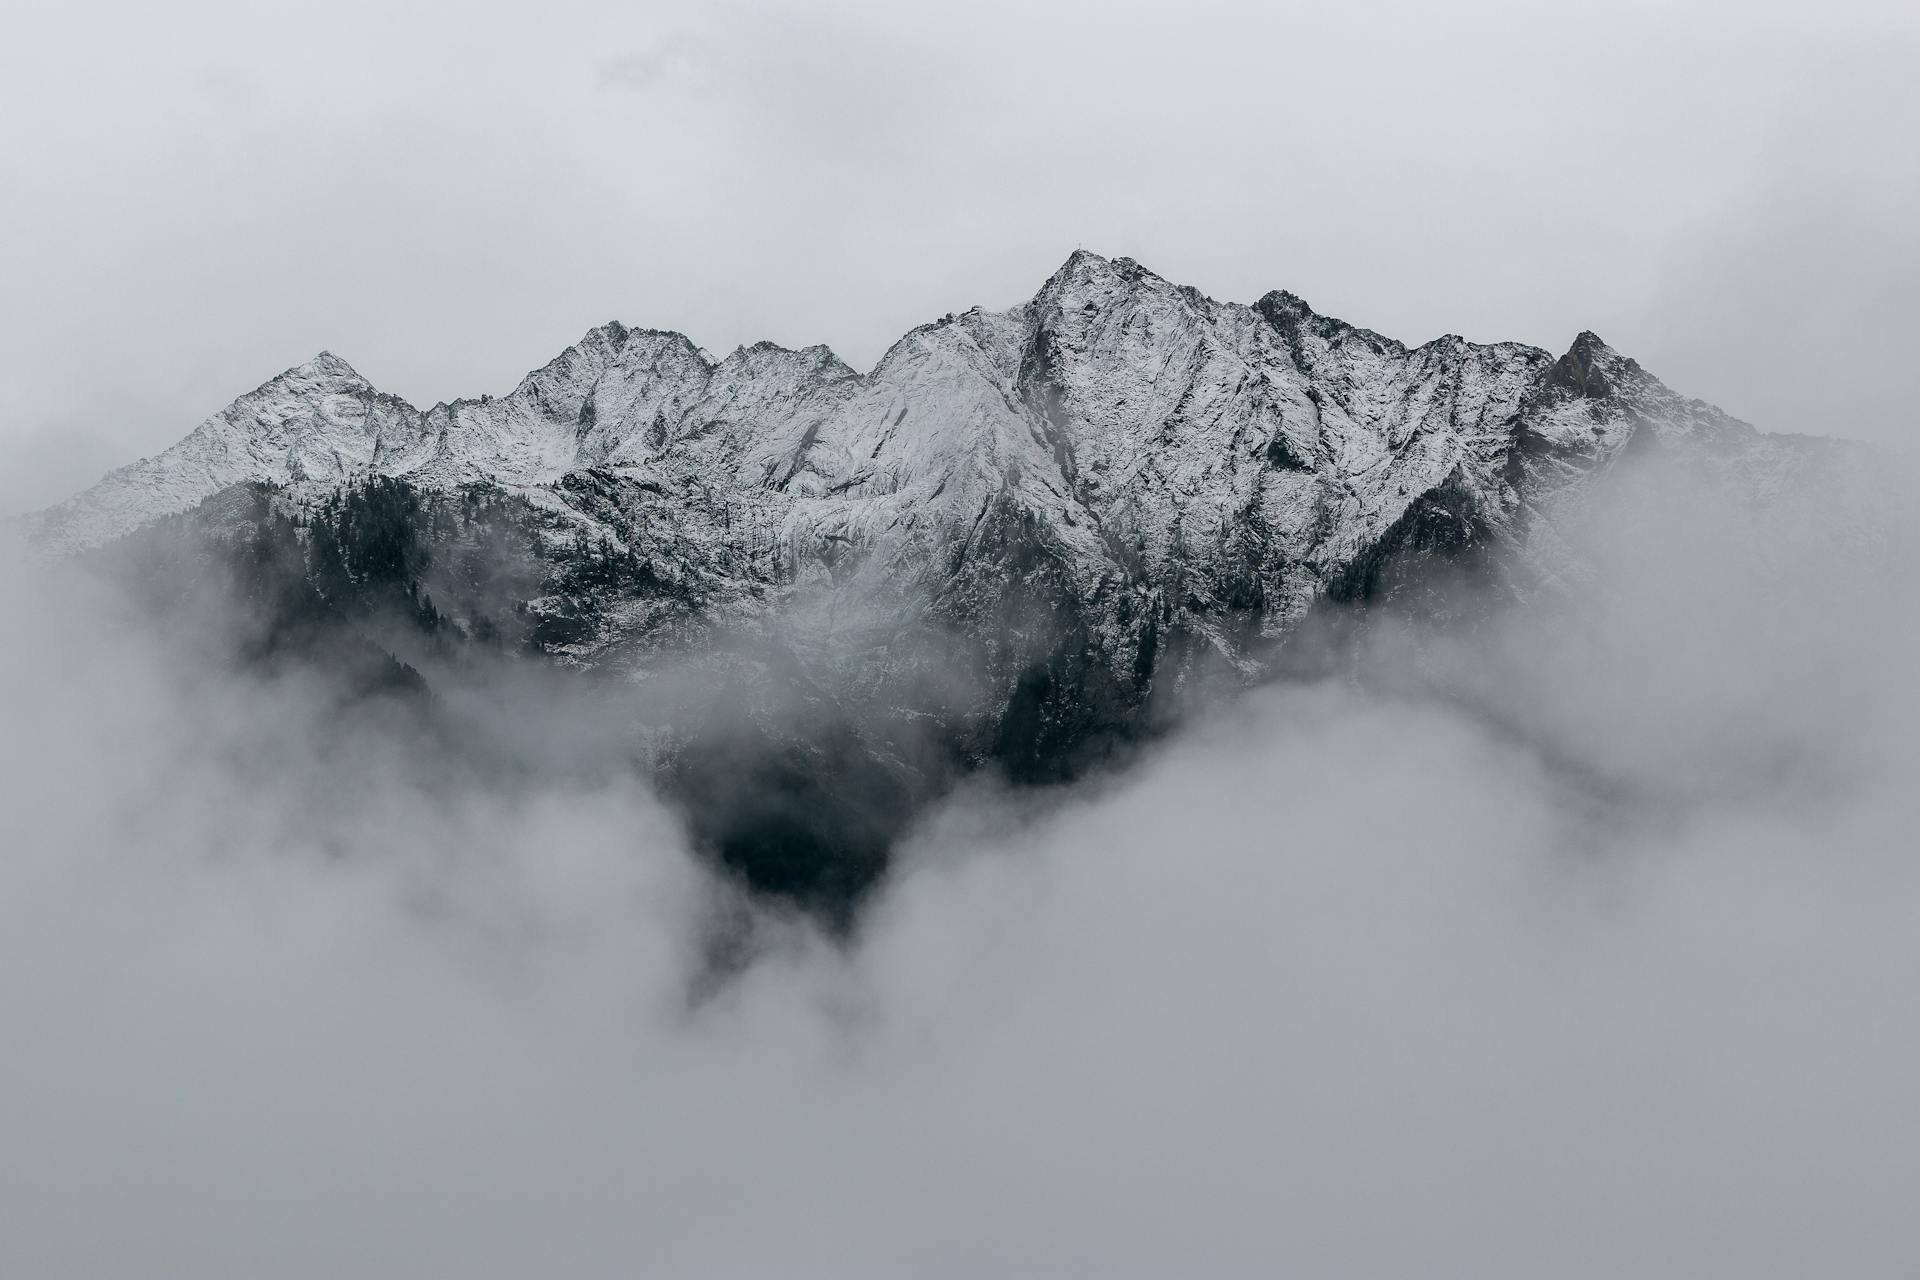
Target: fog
[1577,944]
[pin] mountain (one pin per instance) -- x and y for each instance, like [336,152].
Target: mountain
[1009,544]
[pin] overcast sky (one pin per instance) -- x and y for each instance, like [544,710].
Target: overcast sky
[200,194]
[1601,965]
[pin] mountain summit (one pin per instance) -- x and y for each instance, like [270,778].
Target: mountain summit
[1091,399]
[1006,543]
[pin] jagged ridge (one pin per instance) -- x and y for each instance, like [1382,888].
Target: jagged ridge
[1010,537]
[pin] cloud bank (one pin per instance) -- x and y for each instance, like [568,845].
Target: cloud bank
[1578,943]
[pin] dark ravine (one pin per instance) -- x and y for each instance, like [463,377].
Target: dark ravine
[1021,544]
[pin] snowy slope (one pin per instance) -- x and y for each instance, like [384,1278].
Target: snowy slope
[1229,460]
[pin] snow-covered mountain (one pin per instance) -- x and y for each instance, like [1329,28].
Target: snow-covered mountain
[1113,397]
[1014,532]
[1237,461]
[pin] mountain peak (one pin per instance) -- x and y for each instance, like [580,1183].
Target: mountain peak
[1081,260]
[324,366]
[1589,368]
[1590,345]
[1284,302]
[1087,282]
[1083,267]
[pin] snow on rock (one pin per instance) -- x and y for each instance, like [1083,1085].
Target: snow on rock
[1136,434]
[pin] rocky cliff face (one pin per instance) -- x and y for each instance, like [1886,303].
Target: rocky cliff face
[1006,544]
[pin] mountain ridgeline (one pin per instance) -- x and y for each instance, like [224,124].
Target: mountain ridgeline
[819,597]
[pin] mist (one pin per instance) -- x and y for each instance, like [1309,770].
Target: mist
[1575,942]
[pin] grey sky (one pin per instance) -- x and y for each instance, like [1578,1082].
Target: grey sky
[1413,996]
[201,194]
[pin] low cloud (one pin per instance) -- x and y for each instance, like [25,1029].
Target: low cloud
[1578,944]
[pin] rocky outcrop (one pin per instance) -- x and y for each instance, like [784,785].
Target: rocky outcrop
[1008,542]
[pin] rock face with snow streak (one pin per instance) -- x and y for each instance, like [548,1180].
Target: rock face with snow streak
[1221,465]
[1019,528]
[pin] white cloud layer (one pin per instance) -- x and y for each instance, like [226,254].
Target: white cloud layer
[1599,964]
